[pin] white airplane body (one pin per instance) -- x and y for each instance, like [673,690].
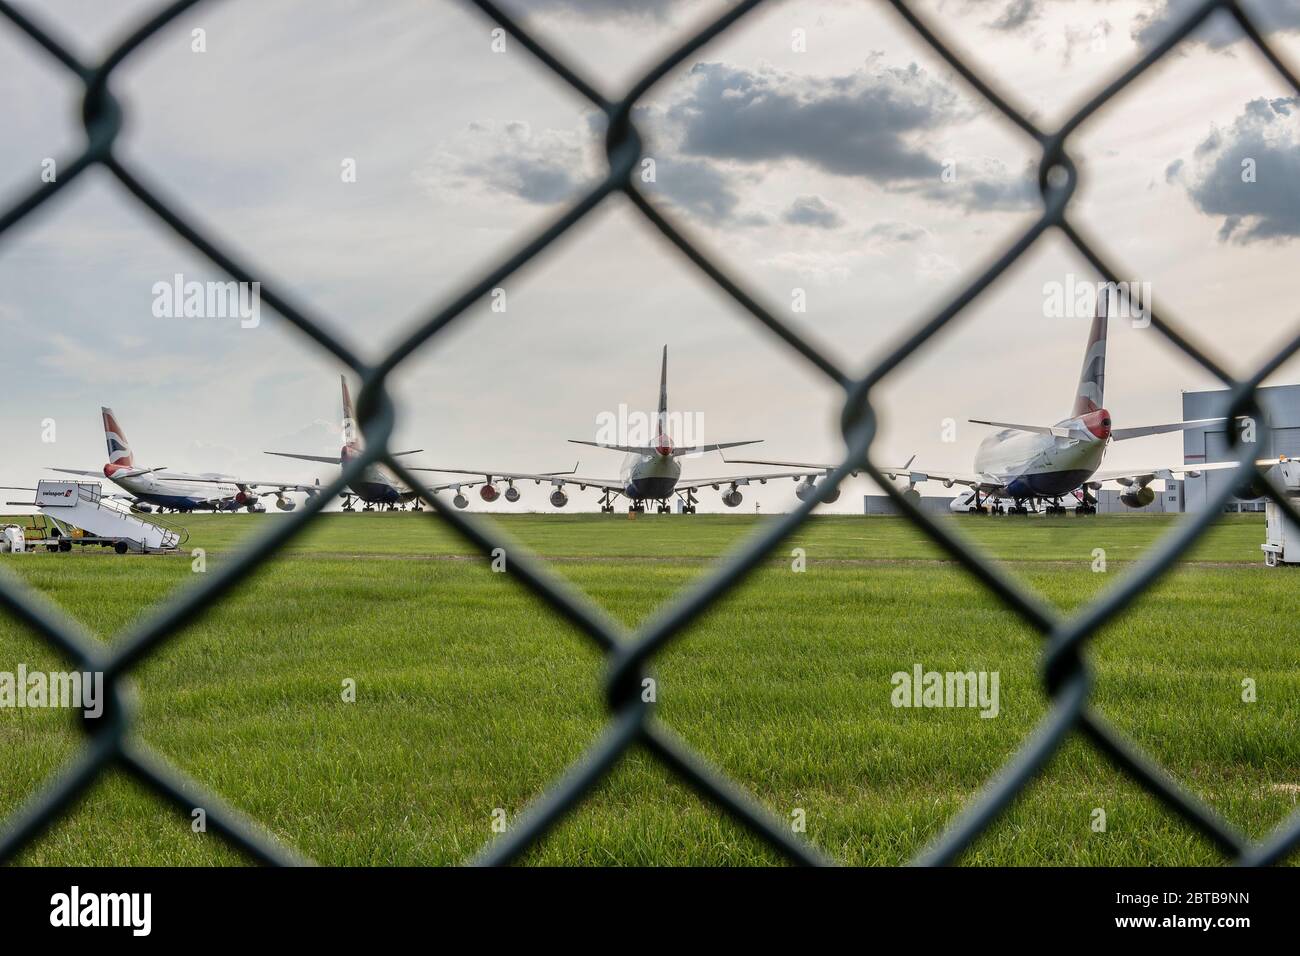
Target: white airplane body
[651,473]
[1031,464]
[378,485]
[177,491]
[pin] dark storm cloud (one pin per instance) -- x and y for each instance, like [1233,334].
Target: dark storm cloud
[990,191]
[700,189]
[813,211]
[1267,208]
[1016,15]
[1219,30]
[535,181]
[873,125]
[543,168]
[728,124]
[859,124]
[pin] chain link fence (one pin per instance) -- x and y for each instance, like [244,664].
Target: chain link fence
[632,722]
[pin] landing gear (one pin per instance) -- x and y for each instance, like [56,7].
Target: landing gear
[1087,503]
[349,503]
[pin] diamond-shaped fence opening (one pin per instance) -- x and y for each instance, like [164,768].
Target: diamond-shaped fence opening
[632,723]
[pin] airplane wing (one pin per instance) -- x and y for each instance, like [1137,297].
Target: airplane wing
[489,475]
[556,478]
[326,459]
[1142,478]
[606,484]
[74,471]
[987,484]
[273,487]
[773,463]
[716,483]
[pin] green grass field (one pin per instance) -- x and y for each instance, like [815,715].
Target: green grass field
[472,696]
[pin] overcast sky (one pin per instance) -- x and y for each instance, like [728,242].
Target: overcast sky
[819,169]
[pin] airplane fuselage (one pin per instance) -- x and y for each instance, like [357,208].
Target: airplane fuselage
[378,485]
[1035,465]
[175,492]
[650,477]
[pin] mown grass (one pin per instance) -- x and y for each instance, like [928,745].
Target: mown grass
[472,696]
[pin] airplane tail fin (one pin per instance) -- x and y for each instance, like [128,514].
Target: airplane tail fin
[119,452]
[662,423]
[1092,377]
[351,430]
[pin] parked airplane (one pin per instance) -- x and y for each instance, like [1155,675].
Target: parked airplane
[378,485]
[176,491]
[1033,464]
[652,473]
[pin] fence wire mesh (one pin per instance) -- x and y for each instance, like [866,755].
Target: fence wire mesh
[632,722]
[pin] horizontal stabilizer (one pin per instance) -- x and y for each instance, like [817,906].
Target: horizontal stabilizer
[630,449]
[702,449]
[492,473]
[137,472]
[1141,431]
[321,458]
[675,452]
[1056,430]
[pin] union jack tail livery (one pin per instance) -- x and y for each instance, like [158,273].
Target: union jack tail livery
[1092,377]
[119,452]
[352,442]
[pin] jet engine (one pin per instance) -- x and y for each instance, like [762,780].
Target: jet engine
[255,508]
[1138,497]
[805,489]
[489,493]
[460,501]
[732,498]
[1257,487]
[512,494]
[284,504]
[558,498]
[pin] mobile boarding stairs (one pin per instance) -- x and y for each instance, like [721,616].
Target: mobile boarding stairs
[1283,537]
[77,512]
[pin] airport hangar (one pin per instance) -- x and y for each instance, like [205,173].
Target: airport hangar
[1278,434]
